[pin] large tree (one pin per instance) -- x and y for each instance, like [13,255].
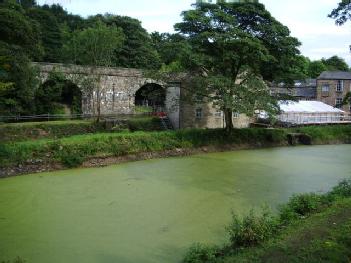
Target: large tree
[234,48]
[18,81]
[17,30]
[335,63]
[137,50]
[95,46]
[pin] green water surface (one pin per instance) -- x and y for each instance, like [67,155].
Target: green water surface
[152,211]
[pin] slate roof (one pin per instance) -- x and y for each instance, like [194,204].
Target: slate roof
[306,92]
[342,75]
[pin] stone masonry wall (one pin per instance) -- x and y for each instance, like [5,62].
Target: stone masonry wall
[331,96]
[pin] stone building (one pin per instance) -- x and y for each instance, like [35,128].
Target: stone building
[332,87]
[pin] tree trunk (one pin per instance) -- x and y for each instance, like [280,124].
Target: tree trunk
[228,113]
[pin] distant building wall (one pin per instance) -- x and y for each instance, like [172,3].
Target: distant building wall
[329,93]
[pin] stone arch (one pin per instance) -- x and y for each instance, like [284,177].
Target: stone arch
[58,94]
[151,95]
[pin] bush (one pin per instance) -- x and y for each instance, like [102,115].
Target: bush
[199,253]
[71,159]
[252,229]
[343,189]
[302,205]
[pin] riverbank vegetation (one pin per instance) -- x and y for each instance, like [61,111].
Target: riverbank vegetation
[16,132]
[63,144]
[309,228]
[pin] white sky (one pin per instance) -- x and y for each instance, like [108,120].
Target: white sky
[307,19]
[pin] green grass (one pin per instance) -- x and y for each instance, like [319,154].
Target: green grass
[331,134]
[318,229]
[73,150]
[323,237]
[56,129]
[81,147]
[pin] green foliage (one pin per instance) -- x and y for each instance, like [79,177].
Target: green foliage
[234,47]
[343,189]
[252,229]
[315,68]
[137,50]
[50,32]
[117,144]
[200,253]
[71,159]
[173,50]
[17,96]
[96,45]
[56,93]
[39,130]
[18,30]
[342,13]
[329,134]
[335,63]
[144,124]
[301,206]
[311,228]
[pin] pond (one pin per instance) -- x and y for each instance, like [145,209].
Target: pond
[152,211]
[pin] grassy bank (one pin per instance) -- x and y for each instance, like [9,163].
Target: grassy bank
[16,132]
[309,228]
[74,150]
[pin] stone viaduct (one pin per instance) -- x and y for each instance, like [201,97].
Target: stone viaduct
[117,95]
[118,87]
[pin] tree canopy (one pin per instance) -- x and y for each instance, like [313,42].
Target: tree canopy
[342,13]
[235,47]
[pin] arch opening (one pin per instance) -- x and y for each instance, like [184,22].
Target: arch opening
[58,95]
[150,97]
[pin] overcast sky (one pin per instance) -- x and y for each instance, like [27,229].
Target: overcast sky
[307,19]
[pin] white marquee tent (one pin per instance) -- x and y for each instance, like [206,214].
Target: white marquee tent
[310,112]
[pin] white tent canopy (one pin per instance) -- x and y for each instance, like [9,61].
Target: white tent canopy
[310,112]
[307,107]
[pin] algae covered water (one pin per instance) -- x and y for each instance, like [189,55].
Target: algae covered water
[152,211]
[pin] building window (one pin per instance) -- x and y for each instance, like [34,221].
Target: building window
[340,86]
[198,113]
[338,102]
[325,88]
[218,114]
[236,115]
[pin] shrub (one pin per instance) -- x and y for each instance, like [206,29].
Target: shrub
[302,205]
[252,229]
[199,253]
[71,159]
[343,189]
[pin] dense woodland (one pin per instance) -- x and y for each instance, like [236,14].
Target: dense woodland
[30,32]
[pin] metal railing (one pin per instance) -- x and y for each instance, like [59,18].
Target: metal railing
[55,117]
[314,119]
